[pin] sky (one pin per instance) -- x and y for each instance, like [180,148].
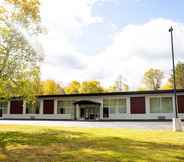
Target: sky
[102,39]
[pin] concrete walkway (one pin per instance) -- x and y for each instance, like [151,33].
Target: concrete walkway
[97,124]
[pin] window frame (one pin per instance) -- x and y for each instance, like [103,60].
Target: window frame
[4,107]
[161,108]
[115,105]
[67,108]
[34,107]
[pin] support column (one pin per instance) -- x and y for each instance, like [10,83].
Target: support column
[128,106]
[24,107]
[173,103]
[8,108]
[77,112]
[147,104]
[177,123]
[55,106]
[101,111]
[41,106]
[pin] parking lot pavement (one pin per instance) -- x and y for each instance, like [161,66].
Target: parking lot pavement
[97,124]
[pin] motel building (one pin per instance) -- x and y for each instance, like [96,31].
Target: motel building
[134,105]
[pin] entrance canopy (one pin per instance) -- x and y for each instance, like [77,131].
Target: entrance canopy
[88,110]
[86,102]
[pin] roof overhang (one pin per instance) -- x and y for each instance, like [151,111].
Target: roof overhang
[86,102]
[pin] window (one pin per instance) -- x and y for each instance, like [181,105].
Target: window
[28,108]
[32,108]
[105,112]
[112,106]
[167,105]
[3,107]
[65,107]
[62,111]
[122,106]
[155,105]
[37,107]
[115,105]
[161,105]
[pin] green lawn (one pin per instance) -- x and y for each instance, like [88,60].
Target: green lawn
[58,144]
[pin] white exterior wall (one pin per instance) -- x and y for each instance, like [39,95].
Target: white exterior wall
[115,116]
[147,115]
[38,116]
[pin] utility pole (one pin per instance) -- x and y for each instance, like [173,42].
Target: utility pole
[174,76]
[177,124]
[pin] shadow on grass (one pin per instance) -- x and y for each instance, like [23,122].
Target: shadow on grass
[75,146]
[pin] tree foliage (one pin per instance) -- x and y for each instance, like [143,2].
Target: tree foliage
[19,60]
[152,78]
[21,11]
[49,87]
[92,86]
[73,87]
[179,74]
[167,86]
[118,86]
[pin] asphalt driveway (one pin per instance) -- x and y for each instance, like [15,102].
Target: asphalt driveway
[97,124]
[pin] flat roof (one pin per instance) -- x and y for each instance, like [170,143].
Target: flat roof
[114,93]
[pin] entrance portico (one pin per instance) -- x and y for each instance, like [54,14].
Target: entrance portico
[87,110]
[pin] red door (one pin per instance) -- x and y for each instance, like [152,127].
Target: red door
[16,107]
[180,104]
[137,105]
[48,106]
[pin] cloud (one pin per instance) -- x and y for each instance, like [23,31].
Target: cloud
[64,21]
[137,47]
[134,48]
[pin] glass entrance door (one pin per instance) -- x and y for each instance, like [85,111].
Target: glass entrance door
[88,110]
[90,113]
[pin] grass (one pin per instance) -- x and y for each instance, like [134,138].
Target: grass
[58,144]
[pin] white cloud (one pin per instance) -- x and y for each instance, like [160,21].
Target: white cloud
[138,47]
[134,48]
[64,20]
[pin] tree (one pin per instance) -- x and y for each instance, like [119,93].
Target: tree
[73,87]
[179,74]
[49,87]
[125,87]
[19,60]
[118,86]
[92,86]
[152,78]
[167,86]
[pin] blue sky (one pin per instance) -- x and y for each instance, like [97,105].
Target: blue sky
[122,13]
[101,39]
